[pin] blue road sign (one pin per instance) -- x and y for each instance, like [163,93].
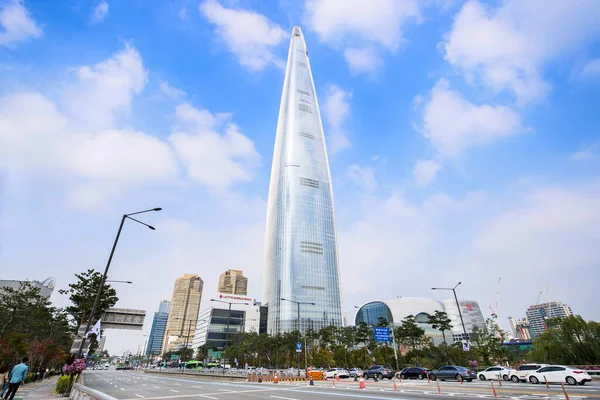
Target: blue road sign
[382,334]
[298,347]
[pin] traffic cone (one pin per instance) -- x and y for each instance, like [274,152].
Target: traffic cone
[275,378]
[361,385]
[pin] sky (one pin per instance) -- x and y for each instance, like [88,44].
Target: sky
[463,139]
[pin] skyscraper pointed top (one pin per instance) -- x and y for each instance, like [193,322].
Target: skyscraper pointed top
[297,31]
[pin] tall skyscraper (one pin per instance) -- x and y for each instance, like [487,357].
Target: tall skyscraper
[159,326]
[233,281]
[185,305]
[539,314]
[164,306]
[471,316]
[301,242]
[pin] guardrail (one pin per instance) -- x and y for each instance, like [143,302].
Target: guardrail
[80,392]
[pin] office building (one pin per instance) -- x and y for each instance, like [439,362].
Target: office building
[539,314]
[214,321]
[183,315]
[46,287]
[159,326]
[301,252]
[519,328]
[233,281]
[471,315]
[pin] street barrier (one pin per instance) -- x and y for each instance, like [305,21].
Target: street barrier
[80,392]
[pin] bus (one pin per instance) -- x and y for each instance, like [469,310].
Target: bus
[194,364]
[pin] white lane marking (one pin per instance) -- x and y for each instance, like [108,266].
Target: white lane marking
[156,387]
[174,391]
[209,397]
[197,387]
[122,389]
[143,384]
[228,390]
[283,398]
[139,395]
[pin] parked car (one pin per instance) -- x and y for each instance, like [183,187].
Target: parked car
[453,372]
[340,372]
[379,371]
[355,372]
[520,374]
[559,374]
[413,373]
[496,373]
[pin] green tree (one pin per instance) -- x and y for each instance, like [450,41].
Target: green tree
[440,321]
[488,342]
[82,294]
[409,333]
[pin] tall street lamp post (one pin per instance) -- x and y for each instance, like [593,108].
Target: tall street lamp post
[298,321]
[459,312]
[112,252]
[228,321]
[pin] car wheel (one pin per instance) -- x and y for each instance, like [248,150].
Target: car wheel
[366,376]
[514,378]
[482,377]
[402,376]
[432,377]
[469,380]
[390,378]
[380,376]
[458,377]
[420,376]
[571,380]
[505,377]
[534,380]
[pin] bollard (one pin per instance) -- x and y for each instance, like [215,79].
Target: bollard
[494,389]
[260,378]
[375,378]
[333,381]
[355,377]
[428,379]
[395,389]
[546,380]
[310,381]
[564,390]
[499,381]
[461,379]
[439,389]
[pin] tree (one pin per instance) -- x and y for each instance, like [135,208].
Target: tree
[440,321]
[488,342]
[83,294]
[409,333]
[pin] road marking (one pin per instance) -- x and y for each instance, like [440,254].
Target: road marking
[156,387]
[175,391]
[283,398]
[209,397]
[197,387]
[228,390]
[139,395]
[122,389]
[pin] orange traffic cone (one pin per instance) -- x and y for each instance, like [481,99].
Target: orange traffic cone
[275,378]
[362,383]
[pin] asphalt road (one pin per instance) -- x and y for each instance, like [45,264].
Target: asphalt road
[135,385]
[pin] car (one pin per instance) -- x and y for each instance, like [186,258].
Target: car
[494,373]
[413,373]
[339,372]
[379,371]
[453,372]
[355,372]
[559,374]
[520,374]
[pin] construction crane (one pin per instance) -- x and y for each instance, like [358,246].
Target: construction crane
[495,309]
[539,297]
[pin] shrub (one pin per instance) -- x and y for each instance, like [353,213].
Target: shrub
[61,384]
[30,377]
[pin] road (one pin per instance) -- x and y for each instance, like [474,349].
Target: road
[129,385]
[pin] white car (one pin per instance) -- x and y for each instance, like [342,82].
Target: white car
[494,373]
[559,374]
[520,374]
[340,372]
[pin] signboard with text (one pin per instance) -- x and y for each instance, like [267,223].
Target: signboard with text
[382,334]
[235,297]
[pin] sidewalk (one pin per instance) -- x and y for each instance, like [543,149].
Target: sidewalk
[38,391]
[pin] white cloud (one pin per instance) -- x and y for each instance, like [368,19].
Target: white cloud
[251,36]
[506,48]
[356,25]
[453,124]
[212,158]
[96,162]
[171,92]
[103,92]
[591,70]
[365,60]
[362,176]
[336,108]
[16,26]
[100,12]
[425,171]
[588,153]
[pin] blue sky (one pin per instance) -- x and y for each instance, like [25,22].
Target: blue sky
[463,141]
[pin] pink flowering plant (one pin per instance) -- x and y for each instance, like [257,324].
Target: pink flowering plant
[76,368]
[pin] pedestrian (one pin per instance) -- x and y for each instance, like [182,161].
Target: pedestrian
[4,369]
[17,376]
[45,374]
[36,378]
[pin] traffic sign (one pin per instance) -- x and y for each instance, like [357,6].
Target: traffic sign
[382,334]
[299,347]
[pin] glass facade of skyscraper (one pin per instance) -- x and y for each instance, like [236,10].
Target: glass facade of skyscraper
[157,333]
[301,243]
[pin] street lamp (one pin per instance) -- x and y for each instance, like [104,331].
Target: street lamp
[112,252]
[228,320]
[459,312]
[298,304]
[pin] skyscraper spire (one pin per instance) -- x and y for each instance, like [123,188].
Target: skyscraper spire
[301,241]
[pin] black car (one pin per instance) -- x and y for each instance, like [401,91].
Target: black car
[413,373]
[379,371]
[455,372]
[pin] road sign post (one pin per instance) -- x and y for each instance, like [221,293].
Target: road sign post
[299,347]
